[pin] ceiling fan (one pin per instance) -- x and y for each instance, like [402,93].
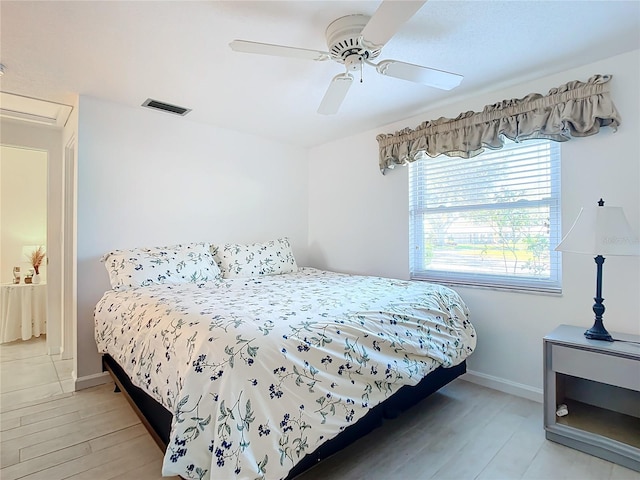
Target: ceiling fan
[354,40]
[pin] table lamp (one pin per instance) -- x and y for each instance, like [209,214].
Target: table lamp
[599,231]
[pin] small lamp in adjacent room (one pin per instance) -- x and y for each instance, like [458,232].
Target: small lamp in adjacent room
[599,231]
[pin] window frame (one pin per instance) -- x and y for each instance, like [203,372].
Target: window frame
[552,284]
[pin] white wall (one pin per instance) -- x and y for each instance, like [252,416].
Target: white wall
[23,211]
[148,178]
[49,139]
[358,223]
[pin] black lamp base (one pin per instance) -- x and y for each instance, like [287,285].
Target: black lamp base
[598,332]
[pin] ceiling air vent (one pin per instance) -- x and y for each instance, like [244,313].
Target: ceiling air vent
[166,107]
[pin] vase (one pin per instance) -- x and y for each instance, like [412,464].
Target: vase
[36,278]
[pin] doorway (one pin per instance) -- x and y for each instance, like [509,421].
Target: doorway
[31,364]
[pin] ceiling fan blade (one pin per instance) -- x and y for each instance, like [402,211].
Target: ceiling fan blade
[387,20]
[418,74]
[278,50]
[335,94]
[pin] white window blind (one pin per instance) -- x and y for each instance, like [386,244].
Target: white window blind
[491,220]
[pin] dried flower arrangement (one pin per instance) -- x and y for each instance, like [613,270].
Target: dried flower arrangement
[36,258]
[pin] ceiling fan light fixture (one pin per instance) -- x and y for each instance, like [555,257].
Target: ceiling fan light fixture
[353,62]
[355,40]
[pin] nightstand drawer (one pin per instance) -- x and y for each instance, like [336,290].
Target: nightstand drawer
[609,369]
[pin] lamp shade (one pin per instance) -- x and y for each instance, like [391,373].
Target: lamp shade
[601,230]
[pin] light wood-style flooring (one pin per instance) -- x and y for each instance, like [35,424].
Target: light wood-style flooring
[27,373]
[464,431]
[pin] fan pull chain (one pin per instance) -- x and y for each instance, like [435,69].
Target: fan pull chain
[361,71]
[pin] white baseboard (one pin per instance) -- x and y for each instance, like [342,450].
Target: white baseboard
[92,380]
[503,385]
[66,355]
[54,350]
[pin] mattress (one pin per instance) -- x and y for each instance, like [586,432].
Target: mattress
[259,372]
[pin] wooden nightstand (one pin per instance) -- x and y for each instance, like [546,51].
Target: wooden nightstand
[600,384]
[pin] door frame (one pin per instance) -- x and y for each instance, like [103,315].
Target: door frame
[69,228]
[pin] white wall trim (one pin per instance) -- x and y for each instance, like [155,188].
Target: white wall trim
[92,380]
[504,385]
[69,234]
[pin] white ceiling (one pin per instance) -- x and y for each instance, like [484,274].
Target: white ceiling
[177,52]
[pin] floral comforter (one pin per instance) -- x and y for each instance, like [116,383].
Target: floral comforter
[260,372]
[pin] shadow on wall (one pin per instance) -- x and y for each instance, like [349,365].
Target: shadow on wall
[317,257]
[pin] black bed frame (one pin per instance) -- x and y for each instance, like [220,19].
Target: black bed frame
[157,419]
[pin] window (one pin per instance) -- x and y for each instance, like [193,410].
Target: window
[491,220]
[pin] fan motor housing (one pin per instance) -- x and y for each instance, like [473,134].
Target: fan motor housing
[344,39]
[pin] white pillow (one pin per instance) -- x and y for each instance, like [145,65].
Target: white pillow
[189,263]
[271,258]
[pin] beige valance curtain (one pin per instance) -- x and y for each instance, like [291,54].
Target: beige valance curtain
[576,109]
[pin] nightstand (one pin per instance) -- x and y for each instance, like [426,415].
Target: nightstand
[599,382]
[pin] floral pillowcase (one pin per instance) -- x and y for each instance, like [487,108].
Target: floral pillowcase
[188,263]
[270,258]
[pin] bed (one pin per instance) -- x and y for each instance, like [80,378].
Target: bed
[261,376]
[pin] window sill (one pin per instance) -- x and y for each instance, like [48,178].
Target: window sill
[547,291]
